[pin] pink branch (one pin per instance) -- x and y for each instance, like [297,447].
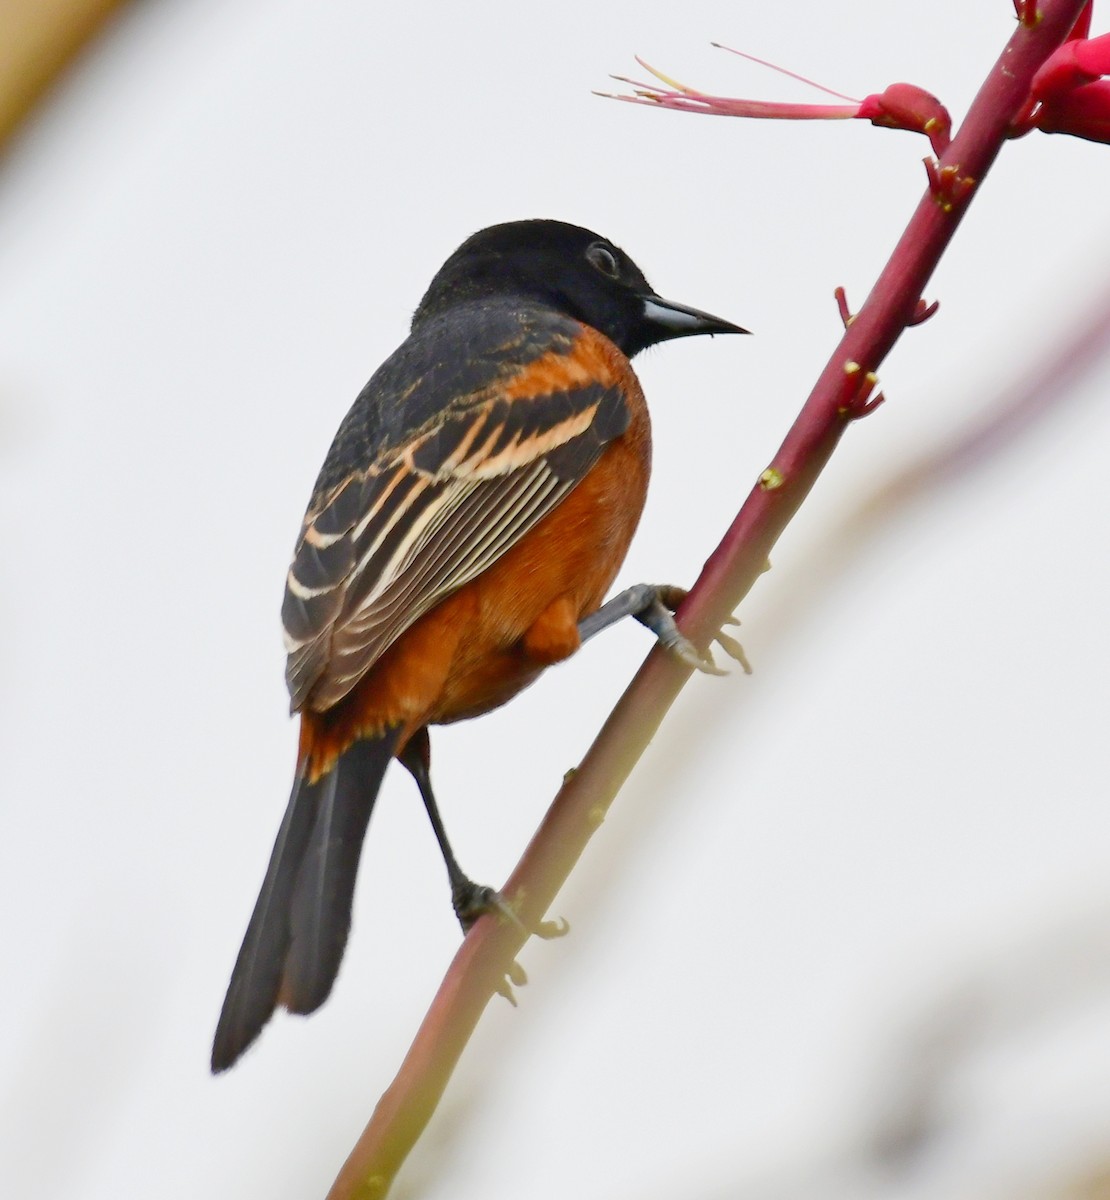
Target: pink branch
[842,393]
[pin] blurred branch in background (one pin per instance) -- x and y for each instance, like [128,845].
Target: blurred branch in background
[936,1125]
[38,39]
[1036,394]
[1029,399]
[922,1134]
[1012,999]
[929,1119]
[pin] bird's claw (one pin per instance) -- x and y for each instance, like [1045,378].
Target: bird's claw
[684,649]
[658,616]
[472,900]
[515,976]
[733,648]
[550,930]
[505,989]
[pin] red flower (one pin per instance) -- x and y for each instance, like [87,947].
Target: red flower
[1069,93]
[900,106]
[1083,112]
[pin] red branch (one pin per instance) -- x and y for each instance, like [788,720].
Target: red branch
[840,395]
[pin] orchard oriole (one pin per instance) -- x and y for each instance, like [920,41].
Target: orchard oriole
[472,511]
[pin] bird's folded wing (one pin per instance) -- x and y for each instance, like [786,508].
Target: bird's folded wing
[390,541]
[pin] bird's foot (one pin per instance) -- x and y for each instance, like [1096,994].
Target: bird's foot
[658,616]
[471,901]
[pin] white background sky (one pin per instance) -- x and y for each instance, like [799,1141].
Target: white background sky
[208,240]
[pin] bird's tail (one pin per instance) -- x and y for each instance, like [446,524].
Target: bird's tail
[298,930]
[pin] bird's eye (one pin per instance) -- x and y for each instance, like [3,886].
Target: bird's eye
[604,260]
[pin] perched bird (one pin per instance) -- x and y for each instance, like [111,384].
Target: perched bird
[470,516]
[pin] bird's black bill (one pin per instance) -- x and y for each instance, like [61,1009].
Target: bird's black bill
[671,320]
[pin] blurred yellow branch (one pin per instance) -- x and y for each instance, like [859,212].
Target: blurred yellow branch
[37,40]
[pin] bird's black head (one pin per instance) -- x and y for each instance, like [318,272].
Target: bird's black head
[573,270]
